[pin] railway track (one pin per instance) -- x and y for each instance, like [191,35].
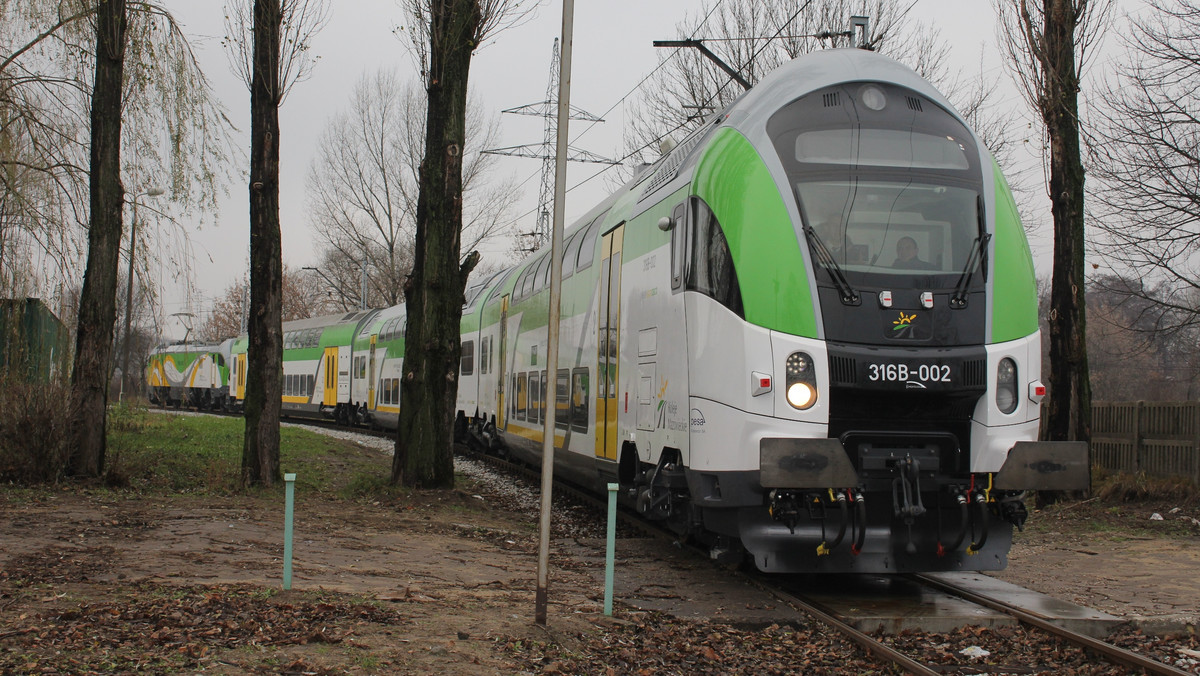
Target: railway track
[870,643]
[877,647]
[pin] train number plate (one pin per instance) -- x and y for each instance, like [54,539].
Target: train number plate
[909,375]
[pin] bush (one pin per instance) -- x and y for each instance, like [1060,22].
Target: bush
[33,430]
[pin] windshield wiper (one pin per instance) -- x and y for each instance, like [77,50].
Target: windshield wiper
[825,258]
[978,251]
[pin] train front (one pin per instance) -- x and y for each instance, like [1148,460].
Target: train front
[906,353]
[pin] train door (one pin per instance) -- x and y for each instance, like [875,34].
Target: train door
[501,374]
[371,375]
[241,376]
[608,342]
[331,369]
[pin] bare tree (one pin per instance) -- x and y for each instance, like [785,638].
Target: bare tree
[1047,46]
[363,188]
[270,70]
[1147,160]
[301,300]
[175,135]
[446,33]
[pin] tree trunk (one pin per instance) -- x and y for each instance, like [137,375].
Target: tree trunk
[1069,409]
[264,353]
[434,296]
[97,302]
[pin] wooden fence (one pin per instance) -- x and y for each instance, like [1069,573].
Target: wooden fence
[1153,437]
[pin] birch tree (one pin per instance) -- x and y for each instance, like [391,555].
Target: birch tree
[363,188]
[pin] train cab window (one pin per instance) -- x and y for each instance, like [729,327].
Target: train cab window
[468,358]
[709,269]
[678,244]
[579,399]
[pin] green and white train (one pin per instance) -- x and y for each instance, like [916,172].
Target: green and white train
[807,334]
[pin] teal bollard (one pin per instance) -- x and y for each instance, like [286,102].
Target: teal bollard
[289,481]
[610,549]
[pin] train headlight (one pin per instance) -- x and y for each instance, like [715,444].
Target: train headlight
[1006,385]
[801,390]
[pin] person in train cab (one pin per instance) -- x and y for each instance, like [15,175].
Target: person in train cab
[908,256]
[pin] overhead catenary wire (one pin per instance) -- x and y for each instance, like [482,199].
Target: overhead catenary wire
[613,107]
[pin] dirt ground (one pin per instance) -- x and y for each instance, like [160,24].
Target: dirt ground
[438,582]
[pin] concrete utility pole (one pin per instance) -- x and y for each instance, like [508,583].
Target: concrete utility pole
[560,191]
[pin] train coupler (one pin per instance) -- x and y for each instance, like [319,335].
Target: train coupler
[1013,511]
[785,507]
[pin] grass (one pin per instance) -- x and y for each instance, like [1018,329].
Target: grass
[162,453]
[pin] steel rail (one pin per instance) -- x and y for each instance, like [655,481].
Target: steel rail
[862,639]
[1116,654]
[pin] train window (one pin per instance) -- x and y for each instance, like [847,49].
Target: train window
[568,262]
[539,275]
[535,398]
[308,384]
[467,363]
[544,273]
[521,401]
[527,285]
[542,388]
[587,246]
[579,399]
[562,399]
[678,244]
[484,354]
[533,354]
[710,264]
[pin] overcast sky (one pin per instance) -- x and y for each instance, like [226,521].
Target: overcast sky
[612,54]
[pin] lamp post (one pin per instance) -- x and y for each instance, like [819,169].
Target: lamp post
[152,192]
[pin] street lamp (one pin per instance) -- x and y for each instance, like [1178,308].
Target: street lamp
[152,192]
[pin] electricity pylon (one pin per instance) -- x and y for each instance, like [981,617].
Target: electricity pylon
[548,110]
